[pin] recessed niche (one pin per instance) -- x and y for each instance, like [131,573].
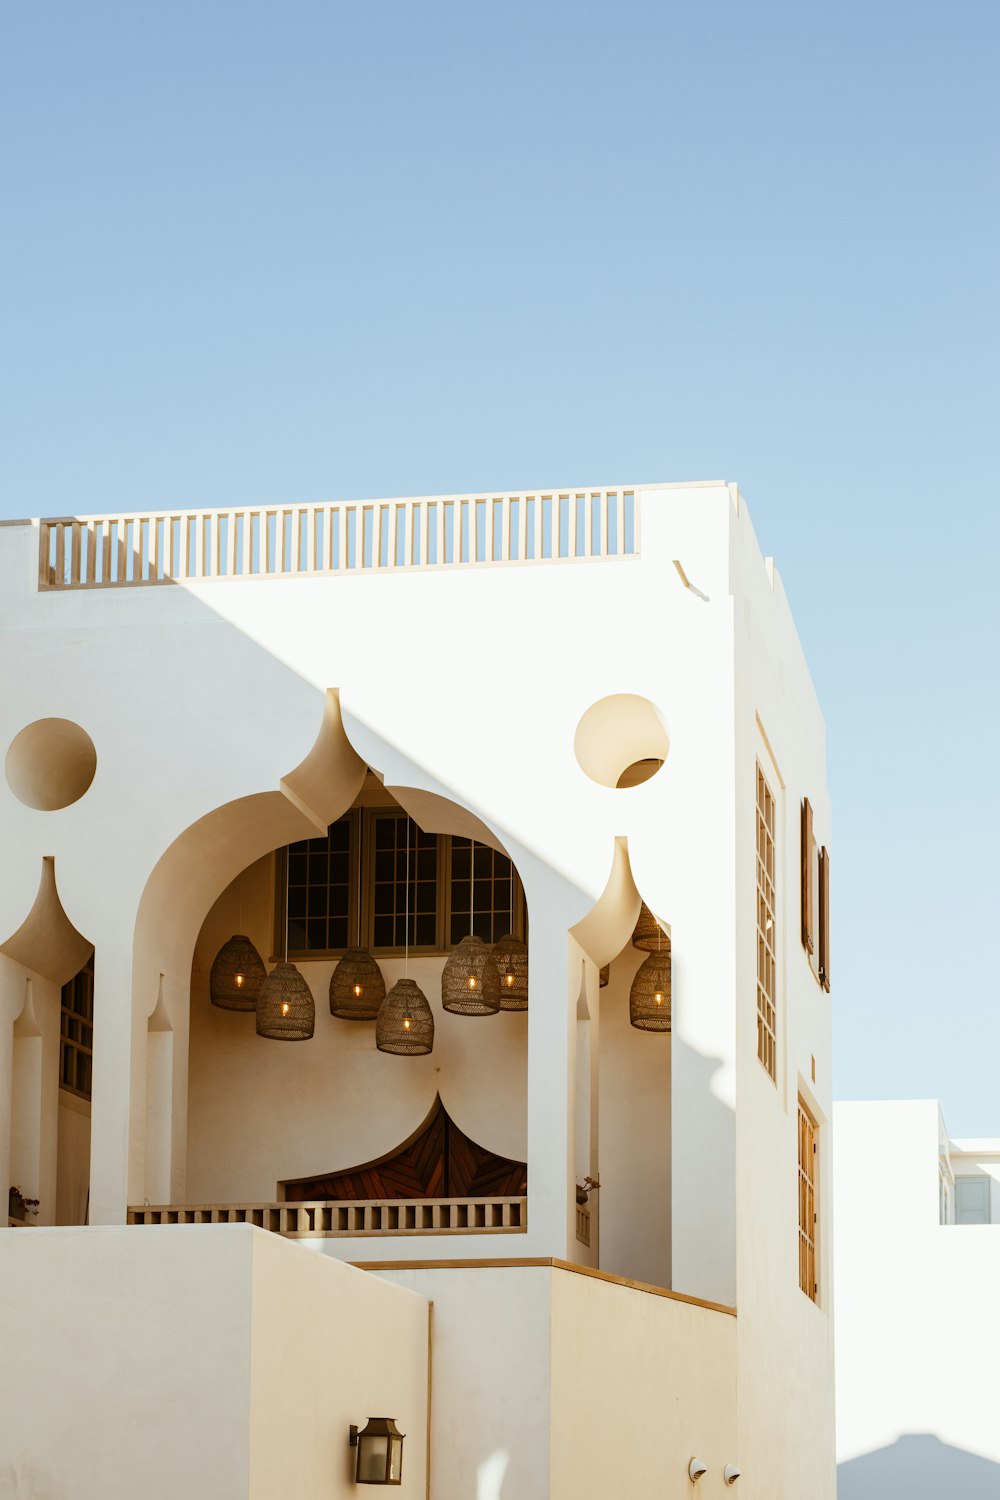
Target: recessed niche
[50,764]
[621,741]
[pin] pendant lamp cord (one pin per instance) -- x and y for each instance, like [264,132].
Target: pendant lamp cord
[406,927]
[472,887]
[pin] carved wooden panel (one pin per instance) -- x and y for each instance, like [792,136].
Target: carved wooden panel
[439,1162]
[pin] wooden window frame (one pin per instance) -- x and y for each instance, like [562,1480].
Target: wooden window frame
[766,844]
[363,882]
[808,1200]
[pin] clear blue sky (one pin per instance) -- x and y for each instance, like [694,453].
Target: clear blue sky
[255,252]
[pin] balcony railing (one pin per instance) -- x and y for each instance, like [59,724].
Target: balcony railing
[322,1220]
[583,1223]
[359,536]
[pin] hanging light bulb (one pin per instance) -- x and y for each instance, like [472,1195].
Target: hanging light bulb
[357,987]
[237,975]
[511,958]
[470,984]
[648,932]
[649,997]
[286,1011]
[405,1025]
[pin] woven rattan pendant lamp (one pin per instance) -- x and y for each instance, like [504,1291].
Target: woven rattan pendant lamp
[605,977]
[511,958]
[648,931]
[237,975]
[238,971]
[470,984]
[286,1011]
[649,997]
[404,1026]
[357,987]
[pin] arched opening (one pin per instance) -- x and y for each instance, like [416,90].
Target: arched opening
[635,1134]
[76,1070]
[626,1087]
[47,966]
[405,876]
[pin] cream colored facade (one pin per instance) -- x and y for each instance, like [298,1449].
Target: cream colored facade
[244,680]
[918,1304]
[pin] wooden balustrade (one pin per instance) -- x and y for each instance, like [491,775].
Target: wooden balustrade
[360,536]
[349,1219]
[583,1223]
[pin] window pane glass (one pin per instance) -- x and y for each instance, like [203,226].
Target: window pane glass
[400,844]
[319,883]
[489,893]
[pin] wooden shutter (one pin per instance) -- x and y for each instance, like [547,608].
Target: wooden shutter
[824,919]
[808,893]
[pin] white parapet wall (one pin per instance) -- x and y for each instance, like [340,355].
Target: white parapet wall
[216,1363]
[917,1315]
[554,1383]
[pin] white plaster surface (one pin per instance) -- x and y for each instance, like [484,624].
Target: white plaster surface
[552,1385]
[218,1363]
[917,1316]
[231,717]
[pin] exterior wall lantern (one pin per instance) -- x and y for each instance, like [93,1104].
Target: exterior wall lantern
[380,1452]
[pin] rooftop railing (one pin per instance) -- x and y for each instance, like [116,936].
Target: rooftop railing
[361,536]
[353,1218]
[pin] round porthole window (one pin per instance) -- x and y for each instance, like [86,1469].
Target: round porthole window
[50,764]
[621,741]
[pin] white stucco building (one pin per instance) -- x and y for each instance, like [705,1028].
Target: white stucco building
[389,725]
[918,1304]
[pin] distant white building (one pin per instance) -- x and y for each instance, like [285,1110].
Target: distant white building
[917,1251]
[571,1231]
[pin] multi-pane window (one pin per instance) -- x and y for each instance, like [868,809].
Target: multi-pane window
[76,1045]
[398,846]
[481,892]
[320,882]
[351,887]
[808,1204]
[766,918]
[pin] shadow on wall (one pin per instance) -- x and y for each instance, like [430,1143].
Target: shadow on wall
[920,1467]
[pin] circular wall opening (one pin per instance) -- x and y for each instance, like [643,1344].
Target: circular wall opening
[50,764]
[621,741]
